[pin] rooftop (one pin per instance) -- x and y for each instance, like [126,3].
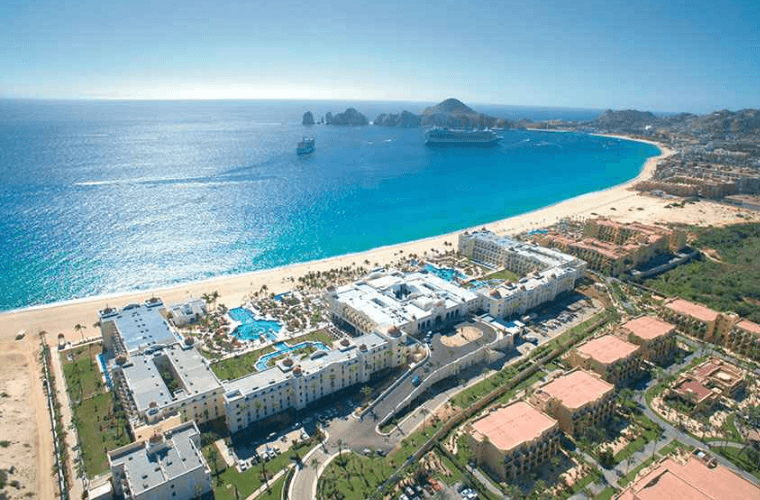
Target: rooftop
[149,464]
[691,309]
[749,326]
[577,388]
[147,385]
[142,326]
[607,349]
[692,480]
[395,299]
[689,386]
[513,425]
[547,257]
[648,327]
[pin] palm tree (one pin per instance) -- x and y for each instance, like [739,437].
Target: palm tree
[366,391]
[79,329]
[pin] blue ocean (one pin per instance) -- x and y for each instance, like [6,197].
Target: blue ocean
[108,196]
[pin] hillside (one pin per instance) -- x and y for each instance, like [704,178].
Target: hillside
[726,283]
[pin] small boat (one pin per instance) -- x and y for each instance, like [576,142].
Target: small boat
[306,146]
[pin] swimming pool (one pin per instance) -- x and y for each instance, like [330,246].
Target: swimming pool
[283,348]
[102,360]
[444,272]
[251,327]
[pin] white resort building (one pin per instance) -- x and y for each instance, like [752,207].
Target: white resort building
[412,303]
[158,374]
[546,272]
[292,384]
[166,466]
[503,252]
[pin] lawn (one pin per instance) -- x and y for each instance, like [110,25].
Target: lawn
[83,377]
[355,476]
[522,385]
[605,494]
[504,274]
[274,492]
[101,425]
[482,388]
[592,477]
[225,481]
[234,368]
[742,459]
[100,428]
[413,442]
[456,475]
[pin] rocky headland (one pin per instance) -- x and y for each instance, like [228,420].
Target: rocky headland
[405,119]
[451,113]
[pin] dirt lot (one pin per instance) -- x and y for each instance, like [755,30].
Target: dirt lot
[463,336]
[25,431]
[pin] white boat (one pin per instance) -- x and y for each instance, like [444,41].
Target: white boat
[306,146]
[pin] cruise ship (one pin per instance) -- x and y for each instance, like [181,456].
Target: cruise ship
[306,146]
[451,137]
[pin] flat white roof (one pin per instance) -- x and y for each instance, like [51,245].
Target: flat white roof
[396,299]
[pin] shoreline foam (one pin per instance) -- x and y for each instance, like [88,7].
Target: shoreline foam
[60,317]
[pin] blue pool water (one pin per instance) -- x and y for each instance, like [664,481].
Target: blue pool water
[283,348]
[100,197]
[102,360]
[251,327]
[444,272]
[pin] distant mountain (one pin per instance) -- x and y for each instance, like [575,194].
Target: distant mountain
[308,118]
[349,117]
[450,106]
[627,121]
[717,126]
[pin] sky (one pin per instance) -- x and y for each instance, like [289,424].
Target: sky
[673,55]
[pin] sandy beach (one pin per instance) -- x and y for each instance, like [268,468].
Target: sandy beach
[618,202]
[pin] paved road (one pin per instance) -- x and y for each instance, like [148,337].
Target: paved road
[671,432]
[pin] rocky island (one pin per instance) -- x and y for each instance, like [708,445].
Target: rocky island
[349,117]
[308,118]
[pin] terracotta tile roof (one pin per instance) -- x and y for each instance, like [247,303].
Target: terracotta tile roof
[749,326]
[577,388]
[691,309]
[607,349]
[513,425]
[648,327]
[690,386]
[690,481]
